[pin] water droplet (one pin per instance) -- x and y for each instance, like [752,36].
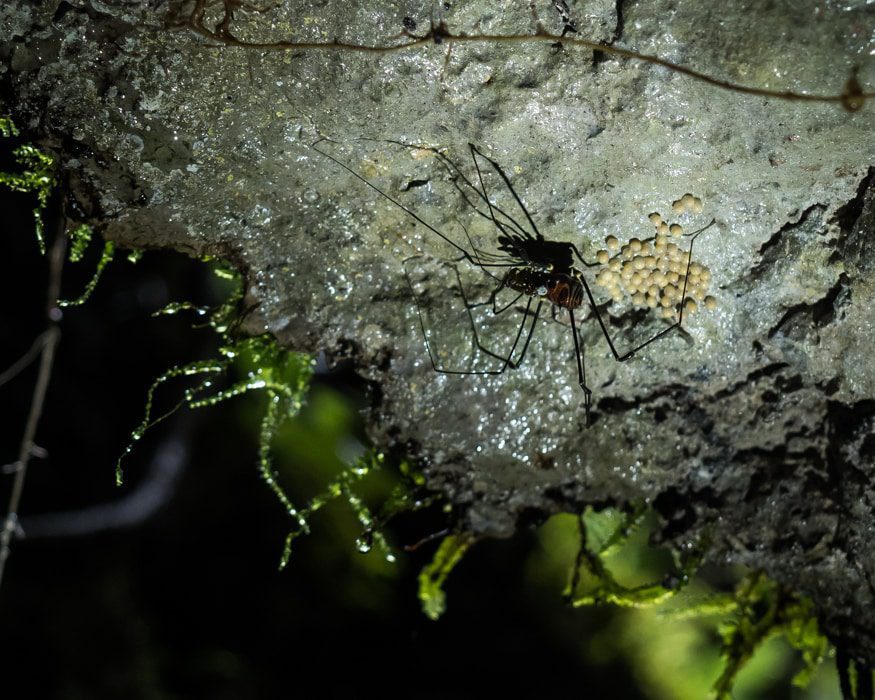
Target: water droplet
[365,542]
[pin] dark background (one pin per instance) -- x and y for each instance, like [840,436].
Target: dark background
[188,602]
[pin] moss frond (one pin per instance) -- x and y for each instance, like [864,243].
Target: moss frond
[284,378]
[105,258]
[433,576]
[37,177]
[80,238]
[764,609]
[602,534]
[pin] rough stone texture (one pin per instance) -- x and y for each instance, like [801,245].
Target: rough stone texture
[757,427]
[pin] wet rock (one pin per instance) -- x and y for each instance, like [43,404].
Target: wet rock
[755,425]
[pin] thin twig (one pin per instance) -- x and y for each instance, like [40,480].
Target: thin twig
[22,362]
[51,336]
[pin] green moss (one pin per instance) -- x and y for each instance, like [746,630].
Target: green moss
[80,237]
[248,364]
[36,177]
[756,611]
[341,486]
[76,251]
[7,128]
[260,365]
[434,575]
[762,609]
[602,536]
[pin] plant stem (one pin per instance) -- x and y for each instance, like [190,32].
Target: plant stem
[50,338]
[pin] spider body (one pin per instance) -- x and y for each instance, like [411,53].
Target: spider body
[534,267]
[559,288]
[538,253]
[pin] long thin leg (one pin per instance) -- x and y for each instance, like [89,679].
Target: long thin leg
[496,310]
[519,360]
[505,361]
[493,298]
[513,364]
[469,306]
[478,253]
[580,257]
[664,331]
[643,240]
[554,315]
[464,253]
[581,369]
[456,174]
[495,166]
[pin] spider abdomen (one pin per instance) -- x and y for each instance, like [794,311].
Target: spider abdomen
[558,288]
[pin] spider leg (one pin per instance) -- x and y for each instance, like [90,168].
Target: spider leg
[497,168]
[580,257]
[554,315]
[495,309]
[581,369]
[464,253]
[506,361]
[519,360]
[461,182]
[478,262]
[677,324]
[704,228]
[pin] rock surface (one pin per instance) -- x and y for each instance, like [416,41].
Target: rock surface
[755,426]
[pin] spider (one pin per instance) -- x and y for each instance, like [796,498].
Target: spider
[546,272]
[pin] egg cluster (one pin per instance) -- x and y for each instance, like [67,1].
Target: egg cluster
[653,271]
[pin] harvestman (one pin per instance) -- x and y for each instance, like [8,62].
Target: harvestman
[536,268]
